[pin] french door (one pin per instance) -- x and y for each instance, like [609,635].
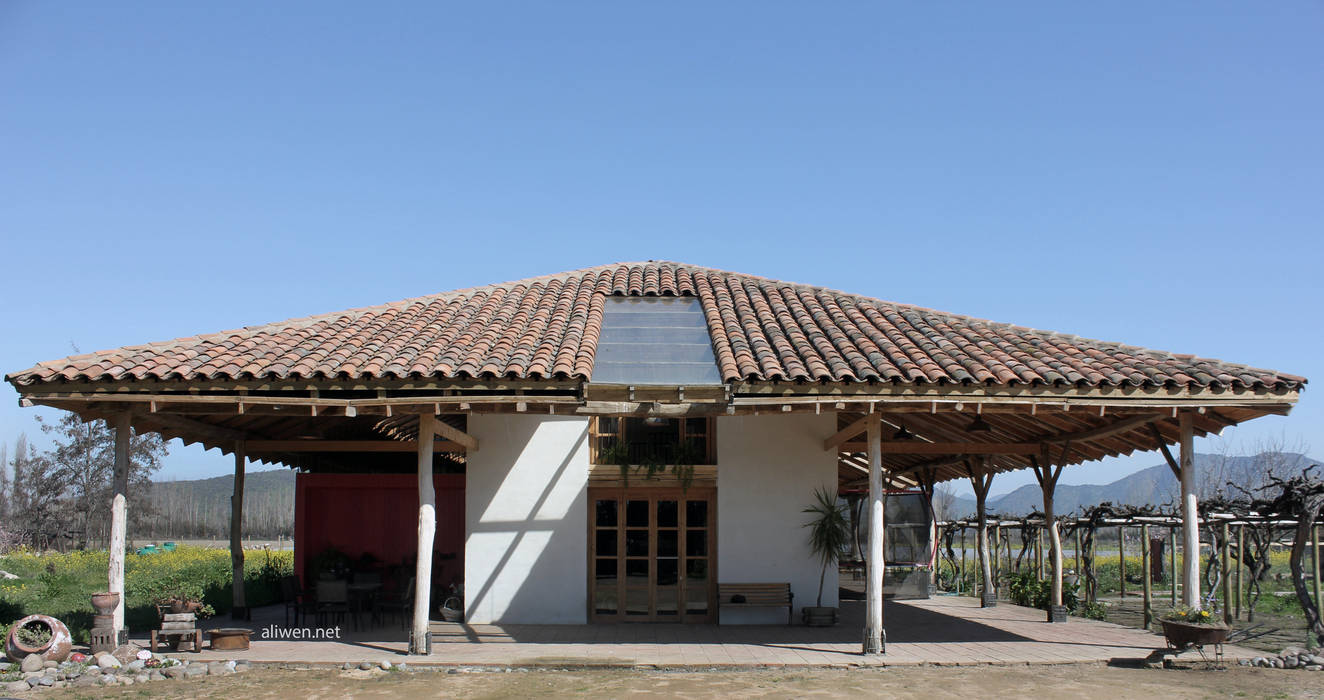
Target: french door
[651,554]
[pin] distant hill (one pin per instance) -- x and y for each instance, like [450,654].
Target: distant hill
[200,508]
[1154,485]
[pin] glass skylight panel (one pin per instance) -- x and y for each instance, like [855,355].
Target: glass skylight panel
[655,340]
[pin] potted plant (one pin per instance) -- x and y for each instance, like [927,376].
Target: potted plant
[1185,627]
[41,635]
[829,534]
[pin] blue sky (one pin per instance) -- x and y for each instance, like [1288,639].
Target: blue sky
[1140,172]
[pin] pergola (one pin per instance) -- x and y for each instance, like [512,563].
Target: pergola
[921,397]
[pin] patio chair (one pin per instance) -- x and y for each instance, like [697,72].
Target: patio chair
[400,602]
[332,601]
[294,598]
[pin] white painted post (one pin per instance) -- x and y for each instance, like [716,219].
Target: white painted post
[119,511]
[420,639]
[1190,515]
[875,639]
[239,600]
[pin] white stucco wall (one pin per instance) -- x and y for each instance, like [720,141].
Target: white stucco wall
[767,469]
[526,520]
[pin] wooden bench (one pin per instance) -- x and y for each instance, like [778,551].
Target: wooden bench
[181,626]
[755,595]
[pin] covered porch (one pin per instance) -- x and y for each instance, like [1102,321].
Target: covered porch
[946,630]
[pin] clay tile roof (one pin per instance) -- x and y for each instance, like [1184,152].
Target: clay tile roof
[547,328]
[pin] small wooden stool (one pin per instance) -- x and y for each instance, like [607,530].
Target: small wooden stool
[180,626]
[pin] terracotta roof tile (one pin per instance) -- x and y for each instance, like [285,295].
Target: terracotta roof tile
[548,327]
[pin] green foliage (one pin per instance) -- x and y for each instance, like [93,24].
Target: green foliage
[680,459]
[1024,588]
[1194,616]
[1091,610]
[61,585]
[34,634]
[829,531]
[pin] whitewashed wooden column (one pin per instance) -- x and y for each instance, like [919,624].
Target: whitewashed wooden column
[420,638]
[1190,514]
[875,639]
[240,600]
[119,513]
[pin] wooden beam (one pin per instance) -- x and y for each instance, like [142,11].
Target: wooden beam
[189,425]
[264,446]
[456,436]
[846,433]
[1104,431]
[915,447]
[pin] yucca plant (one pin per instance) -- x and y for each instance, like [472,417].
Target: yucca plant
[829,532]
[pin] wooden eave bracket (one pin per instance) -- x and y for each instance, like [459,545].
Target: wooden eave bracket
[455,435]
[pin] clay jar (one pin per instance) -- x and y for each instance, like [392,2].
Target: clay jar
[56,649]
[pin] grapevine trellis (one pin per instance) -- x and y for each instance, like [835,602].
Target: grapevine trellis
[1240,531]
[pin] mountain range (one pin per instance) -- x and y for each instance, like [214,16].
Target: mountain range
[1154,485]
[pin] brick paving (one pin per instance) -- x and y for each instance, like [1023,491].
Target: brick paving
[946,630]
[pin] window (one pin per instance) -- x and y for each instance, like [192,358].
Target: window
[652,441]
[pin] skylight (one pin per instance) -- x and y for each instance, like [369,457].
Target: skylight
[655,341]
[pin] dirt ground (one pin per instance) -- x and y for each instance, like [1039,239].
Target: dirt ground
[930,683]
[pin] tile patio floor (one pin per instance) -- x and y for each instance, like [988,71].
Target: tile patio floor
[943,630]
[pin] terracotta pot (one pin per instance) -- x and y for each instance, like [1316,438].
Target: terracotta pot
[184,606]
[105,603]
[1184,634]
[56,648]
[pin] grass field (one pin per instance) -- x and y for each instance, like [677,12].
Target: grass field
[61,584]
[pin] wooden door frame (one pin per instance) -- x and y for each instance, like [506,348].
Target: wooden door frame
[652,493]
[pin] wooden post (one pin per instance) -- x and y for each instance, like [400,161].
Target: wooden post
[1241,564]
[981,482]
[239,611]
[1225,571]
[1047,477]
[1314,560]
[1144,576]
[875,638]
[1080,569]
[1190,516]
[119,512]
[1039,551]
[1121,559]
[1172,562]
[964,568]
[997,552]
[420,638]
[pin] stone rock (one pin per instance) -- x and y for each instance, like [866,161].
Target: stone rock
[195,670]
[242,667]
[107,679]
[156,675]
[346,666]
[31,681]
[141,677]
[384,665]
[5,666]
[1278,663]
[125,653]
[401,666]
[17,687]
[124,680]
[135,665]
[1314,659]
[31,663]
[1289,662]
[1313,667]
[46,681]
[106,661]
[365,665]
[1291,651]
[50,664]
[87,680]
[217,668]
[74,671]
[173,671]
